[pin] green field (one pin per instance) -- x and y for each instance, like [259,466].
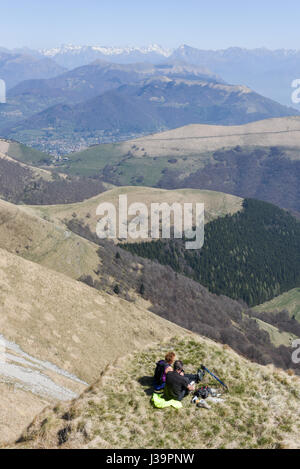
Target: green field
[26,154]
[277,337]
[289,301]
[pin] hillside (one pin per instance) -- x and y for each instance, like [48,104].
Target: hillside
[40,234]
[51,318]
[21,182]
[288,301]
[137,108]
[260,410]
[107,268]
[216,204]
[253,255]
[258,160]
[183,141]
[53,246]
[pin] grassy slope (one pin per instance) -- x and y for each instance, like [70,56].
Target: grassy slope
[21,152]
[67,322]
[48,244]
[191,145]
[277,337]
[260,411]
[289,301]
[14,151]
[57,319]
[38,234]
[25,154]
[216,204]
[95,158]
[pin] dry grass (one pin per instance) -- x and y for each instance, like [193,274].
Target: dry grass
[277,337]
[68,323]
[17,409]
[196,138]
[260,411]
[57,319]
[38,172]
[51,245]
[216,204]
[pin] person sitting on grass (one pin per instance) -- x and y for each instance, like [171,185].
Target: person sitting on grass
[163,367]
[178,384]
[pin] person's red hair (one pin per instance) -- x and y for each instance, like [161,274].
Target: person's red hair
[170,357]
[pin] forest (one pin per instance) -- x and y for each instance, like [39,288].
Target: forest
[253,255]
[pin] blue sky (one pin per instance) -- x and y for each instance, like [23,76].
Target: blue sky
[205,24]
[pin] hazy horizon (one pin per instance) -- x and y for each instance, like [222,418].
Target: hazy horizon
[145,46]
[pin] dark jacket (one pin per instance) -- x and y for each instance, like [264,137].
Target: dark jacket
[176,386]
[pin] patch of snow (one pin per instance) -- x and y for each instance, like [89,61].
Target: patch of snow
[108,51]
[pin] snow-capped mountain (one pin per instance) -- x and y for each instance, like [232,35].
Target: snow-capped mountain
[72,56]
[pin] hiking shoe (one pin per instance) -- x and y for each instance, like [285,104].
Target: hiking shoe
[203,404]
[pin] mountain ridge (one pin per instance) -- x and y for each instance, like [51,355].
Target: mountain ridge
[154,104]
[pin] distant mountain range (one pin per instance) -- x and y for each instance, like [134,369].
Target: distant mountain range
[151,105]
[268,72]
[129,92]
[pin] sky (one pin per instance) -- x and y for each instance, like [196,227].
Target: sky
[215,24]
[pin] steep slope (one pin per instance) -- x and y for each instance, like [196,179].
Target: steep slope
[40,241]
[260,410]
[65,323]
[107,268]
[22,183]
[39,233]
[49,317]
